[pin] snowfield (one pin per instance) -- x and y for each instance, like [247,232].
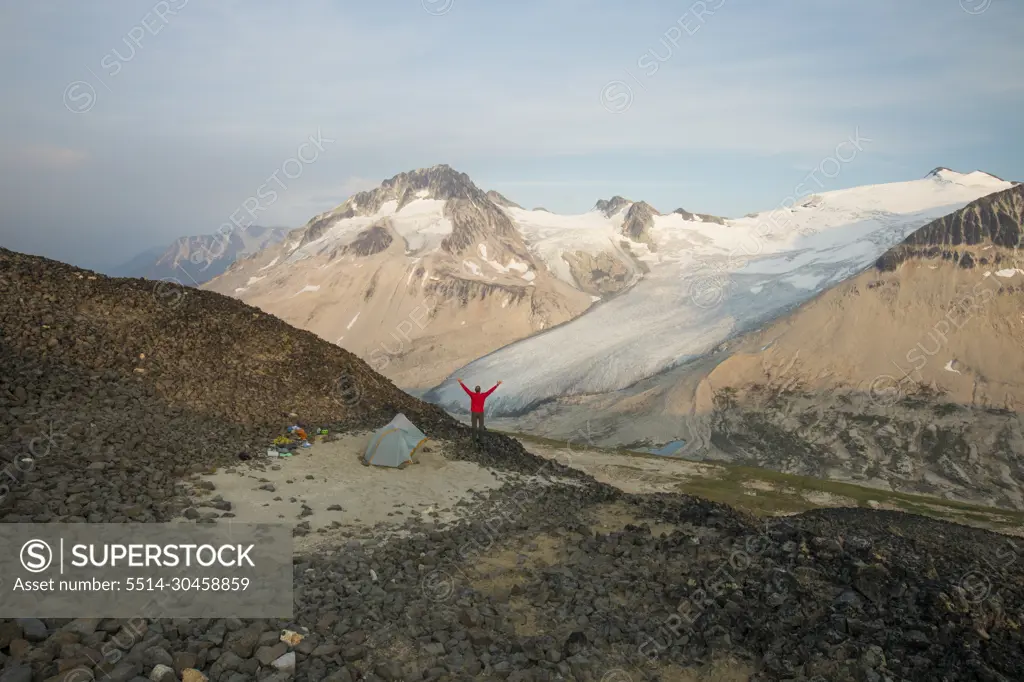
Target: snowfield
[550,235]
[421,223]
[706,283]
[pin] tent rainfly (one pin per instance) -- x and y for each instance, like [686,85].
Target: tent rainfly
[395,444]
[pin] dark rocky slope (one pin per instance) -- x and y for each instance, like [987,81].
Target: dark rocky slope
[702,217]
[908,376]
[996,219]
[153,380]
[501,200]
[610,206]
[638,223]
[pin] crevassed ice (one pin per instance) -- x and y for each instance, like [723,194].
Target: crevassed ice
[700,287]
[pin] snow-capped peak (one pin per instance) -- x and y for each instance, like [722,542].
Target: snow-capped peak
[974,178]
[427,201]
[939,172]
[440,182]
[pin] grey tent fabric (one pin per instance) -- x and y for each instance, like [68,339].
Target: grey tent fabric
[402,422]
[394,444]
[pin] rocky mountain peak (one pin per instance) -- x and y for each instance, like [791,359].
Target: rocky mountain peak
[501,200]
[475,221]
[199,258]
[639,221]
[611,206]
[437,182]
[475,215]
[440,182]
[938,170]
[699,217]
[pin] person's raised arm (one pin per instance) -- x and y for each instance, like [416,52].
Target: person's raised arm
[464,387]
[493,388]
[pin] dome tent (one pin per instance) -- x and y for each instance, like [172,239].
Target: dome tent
[394,445]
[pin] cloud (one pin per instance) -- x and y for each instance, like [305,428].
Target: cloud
[47,157]
[624,182]
[204,111]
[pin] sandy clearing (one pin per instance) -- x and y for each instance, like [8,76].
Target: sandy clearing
[822,498]
[757,484]
[331,474]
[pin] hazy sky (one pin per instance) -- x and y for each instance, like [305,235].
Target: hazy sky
[126,124]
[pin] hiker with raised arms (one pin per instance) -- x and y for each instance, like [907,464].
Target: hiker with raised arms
[476,406]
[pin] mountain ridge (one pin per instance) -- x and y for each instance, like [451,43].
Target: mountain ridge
[440,244]
[446,251]
[906,376]
[195,259]
[698,292]
[994,219]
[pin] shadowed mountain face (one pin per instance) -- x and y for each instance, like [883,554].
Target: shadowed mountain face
[194,260]
[370,241]
[907,376]
[638,223]
[995,219]
[611,206]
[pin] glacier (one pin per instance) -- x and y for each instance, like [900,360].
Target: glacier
[706,283]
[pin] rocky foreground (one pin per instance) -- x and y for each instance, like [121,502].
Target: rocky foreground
[115,394]
[118,387]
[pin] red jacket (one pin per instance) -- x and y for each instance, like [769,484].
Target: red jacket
[476,400]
